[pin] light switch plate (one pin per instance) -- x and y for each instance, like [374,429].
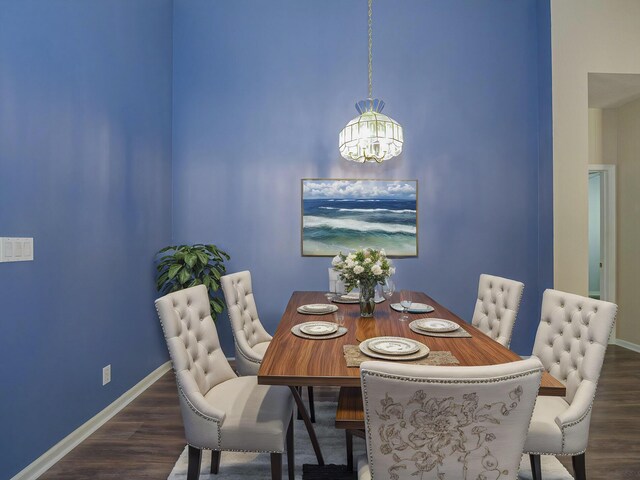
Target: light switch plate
[16,249]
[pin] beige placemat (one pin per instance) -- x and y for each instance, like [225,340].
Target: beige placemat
[459,333]
[354,357]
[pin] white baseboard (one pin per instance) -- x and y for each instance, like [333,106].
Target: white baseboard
[628,345]
[64,446]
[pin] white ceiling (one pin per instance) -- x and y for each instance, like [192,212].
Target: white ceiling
[611,90]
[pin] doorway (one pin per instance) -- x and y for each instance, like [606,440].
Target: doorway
[602,232]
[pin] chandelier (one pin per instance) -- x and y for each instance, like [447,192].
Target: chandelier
[371,136]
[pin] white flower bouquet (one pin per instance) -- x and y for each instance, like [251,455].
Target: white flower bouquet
[363,268]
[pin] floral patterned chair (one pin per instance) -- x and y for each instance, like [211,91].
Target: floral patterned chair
[446,423]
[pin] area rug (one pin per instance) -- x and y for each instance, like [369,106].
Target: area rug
[257,466]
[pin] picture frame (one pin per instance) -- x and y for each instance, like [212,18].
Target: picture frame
[344,214]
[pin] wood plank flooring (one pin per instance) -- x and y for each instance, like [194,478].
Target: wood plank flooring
[146,438]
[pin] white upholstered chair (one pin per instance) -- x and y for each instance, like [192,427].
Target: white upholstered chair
[250,337]
[220,411]
[497,307]
[446,422]
[571,341]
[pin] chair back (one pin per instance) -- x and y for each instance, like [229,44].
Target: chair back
[198,361]
[447,422]
[245,323]
[497,307]
[572,339]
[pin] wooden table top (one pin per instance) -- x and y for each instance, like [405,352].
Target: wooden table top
[295,361]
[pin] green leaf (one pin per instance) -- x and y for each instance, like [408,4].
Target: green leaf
[173,270]
[203,257]
[184,276]
[190,259]
[219,301]
[216,308]
[162,279]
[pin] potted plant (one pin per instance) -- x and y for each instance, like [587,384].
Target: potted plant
[365,269]
[184,266]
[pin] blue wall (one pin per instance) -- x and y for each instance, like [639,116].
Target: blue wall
[261,90]
[85,168]
[545,150]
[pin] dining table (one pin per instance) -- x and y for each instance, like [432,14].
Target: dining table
[298,362]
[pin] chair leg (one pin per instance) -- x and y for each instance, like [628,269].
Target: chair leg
[579,466]
[312,407]
[349,437]
[215,461]
[536,470]
[276,466]
[195,457]
[291,459]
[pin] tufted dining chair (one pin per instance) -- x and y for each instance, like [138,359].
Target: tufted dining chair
[571,342]
[497,307]
[250,337]
[220,411]
[431,422]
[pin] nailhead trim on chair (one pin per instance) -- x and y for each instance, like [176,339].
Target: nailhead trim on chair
[236,450]
[585,415]
[242,354]
[191,406]
[206,417]
[514,323]
[432,381]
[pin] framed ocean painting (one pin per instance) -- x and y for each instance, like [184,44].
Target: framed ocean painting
[339,215]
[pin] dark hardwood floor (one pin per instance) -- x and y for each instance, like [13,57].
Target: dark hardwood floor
[146,438]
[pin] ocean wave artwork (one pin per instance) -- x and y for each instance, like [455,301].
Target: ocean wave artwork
[343,215]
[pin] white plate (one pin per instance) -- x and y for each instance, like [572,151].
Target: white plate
[318,328]
[415,308]
[421,353]
[437,325]
[317,309]
[393,345]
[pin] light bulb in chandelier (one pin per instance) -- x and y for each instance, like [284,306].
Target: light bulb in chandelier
[372,136]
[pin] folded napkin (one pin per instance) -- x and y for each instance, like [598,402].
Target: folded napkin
[317,307]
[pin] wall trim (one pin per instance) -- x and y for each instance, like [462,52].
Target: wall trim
[68,443]
[628,345]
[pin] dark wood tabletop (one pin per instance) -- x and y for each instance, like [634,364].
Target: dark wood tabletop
[295,361]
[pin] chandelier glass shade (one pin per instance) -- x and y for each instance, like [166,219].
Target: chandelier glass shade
[372,136]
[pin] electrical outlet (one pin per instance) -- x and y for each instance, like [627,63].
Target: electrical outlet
[106,375]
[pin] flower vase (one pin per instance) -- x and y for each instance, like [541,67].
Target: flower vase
[367,298]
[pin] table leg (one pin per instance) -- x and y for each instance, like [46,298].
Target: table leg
[307,422]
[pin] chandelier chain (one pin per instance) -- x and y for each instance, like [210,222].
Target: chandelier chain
[370,50]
